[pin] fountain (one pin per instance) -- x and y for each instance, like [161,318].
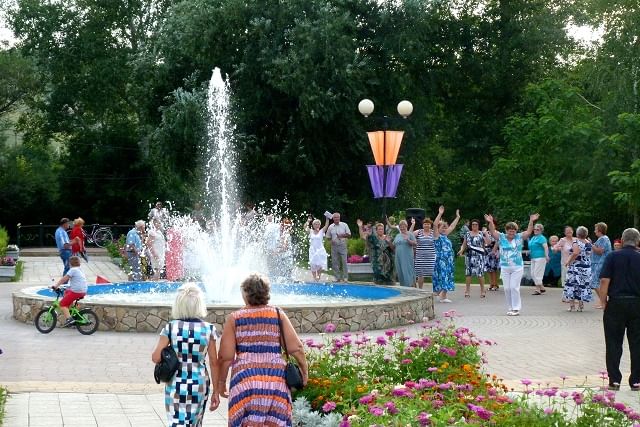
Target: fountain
[224,254]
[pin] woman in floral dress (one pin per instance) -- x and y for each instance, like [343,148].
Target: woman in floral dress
[492,264]
[443,270]
[380,253]
[425,252]
[577,289]
[476,257]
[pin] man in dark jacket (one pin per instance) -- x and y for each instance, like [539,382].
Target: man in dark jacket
[620,297]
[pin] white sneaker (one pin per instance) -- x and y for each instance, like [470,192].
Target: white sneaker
[445,300]
[513,313]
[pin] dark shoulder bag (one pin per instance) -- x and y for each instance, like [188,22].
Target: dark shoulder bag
[166,369]
[292,373]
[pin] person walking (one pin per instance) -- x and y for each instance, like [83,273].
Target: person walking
[511,262]
[251,344]
[64,244]
[78,238]
[193,340]
[620,297]
[539,253]
[338,233]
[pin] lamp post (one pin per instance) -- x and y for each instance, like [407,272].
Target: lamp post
[385,174]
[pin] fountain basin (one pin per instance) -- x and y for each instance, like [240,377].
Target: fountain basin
[362,306]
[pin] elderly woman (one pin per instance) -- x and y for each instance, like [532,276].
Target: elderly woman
[380,253]
[476,257]
[193,340]
[577,288]
[425,252]
[564,247]
[443,270]
[251,344]
[599,251]
[317,252]
[493,259]
[511,263]
[539,253]
[403,245]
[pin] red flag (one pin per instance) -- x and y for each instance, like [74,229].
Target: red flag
[100,279]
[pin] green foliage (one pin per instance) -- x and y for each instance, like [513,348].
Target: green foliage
[4,241]
[355,246]
[3,401]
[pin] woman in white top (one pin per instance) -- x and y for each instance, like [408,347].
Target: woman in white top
[317,252]
[564,245]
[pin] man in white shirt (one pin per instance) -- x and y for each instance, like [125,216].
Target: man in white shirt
[338,233]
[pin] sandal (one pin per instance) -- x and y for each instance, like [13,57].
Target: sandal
[572,308]
[537,293]
[466,295]
[542,291]
[483,294]
[580,306]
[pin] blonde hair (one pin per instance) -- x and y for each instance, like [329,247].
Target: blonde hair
[511,226]
[78,221]
[316,221]
[601,227]
[189,303]
[74,261]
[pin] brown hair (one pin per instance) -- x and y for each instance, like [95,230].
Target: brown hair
[256,289]
[511,226]
[601,227]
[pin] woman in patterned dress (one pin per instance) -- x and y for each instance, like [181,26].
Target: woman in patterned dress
[425,259]
[476,257]
[578,285]
[185,397]
[251,345]
[492,261]
[443,270]
[600,250]
[380,253]
[403,245]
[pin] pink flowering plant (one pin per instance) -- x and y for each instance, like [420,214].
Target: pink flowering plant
[7,261]
[435,378]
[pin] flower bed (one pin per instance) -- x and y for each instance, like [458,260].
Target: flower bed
[435,378]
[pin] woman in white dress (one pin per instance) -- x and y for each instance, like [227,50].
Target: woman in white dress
[317,253]
[157,245]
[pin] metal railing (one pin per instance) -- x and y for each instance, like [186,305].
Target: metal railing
[43,235]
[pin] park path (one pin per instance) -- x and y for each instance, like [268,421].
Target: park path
[67,379]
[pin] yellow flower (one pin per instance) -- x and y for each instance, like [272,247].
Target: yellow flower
[445,365]
[361,388]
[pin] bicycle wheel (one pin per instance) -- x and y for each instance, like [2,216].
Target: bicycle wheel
[102,237]
[87,322]
[46,320]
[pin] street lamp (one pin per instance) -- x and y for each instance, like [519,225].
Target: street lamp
[385,174]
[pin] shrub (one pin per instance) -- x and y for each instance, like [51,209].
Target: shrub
[4,241]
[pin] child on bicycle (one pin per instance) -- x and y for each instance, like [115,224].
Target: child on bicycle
[76,290]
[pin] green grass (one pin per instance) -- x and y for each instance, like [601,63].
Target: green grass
[3,400]
[19,271]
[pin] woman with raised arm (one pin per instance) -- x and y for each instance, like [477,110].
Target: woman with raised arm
[443,270]
[380,253]
[473,246]
[425,252]
[317,252]
[511,263]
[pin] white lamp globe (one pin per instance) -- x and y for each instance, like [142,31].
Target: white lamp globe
[405,108]
[365,107]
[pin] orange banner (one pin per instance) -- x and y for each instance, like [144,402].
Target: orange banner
[385,152]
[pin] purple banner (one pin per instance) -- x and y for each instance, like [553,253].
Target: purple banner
[393,178]
[376,174]
[376,178]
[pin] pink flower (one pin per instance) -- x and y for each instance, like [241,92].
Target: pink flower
[423,419]
[406,361]
[376,410]
[329,328]
[329,406]
[526,381]
[391,408]
[381,340]
[366,399]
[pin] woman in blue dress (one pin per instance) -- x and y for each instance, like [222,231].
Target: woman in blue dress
[600,250]
[403,244]
[443,270]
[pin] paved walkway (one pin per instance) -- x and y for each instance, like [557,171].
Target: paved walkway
[67,379]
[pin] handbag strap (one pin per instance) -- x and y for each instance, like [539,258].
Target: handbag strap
[169,333]
[284,341]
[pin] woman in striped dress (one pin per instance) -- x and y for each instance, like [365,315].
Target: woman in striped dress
[425,252]
[251,346]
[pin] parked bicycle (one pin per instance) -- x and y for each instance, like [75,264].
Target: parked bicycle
[99,235]
[86,319]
